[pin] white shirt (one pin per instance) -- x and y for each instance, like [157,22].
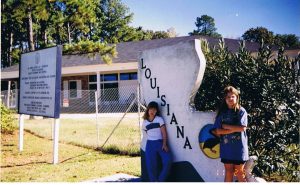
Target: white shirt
[153,128]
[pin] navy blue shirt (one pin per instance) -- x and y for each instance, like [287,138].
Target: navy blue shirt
[233,146]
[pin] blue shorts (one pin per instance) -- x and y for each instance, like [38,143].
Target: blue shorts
[236,162]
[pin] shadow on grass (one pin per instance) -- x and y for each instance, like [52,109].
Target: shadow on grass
[33,133]
[8,145]
[74,157]
[17,165]
[113,149]
[42,162]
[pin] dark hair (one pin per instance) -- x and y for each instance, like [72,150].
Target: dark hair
[223,106]
[152,104]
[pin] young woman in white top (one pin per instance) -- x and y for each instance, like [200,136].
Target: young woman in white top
[156,144]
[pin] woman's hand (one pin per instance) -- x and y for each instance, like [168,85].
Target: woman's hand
[226,126]
[215,132]
[165,148]
[164,135]
[234,128]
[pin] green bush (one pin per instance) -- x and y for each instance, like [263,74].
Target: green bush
[8,122]
[269,86]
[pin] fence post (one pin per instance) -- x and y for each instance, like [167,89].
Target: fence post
[138,103]
[21,132]
[8,95]
[97,124]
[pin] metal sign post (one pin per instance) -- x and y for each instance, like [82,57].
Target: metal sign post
[55,141]
[21,132]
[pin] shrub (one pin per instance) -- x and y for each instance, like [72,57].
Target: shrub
[269,86]
[7,120]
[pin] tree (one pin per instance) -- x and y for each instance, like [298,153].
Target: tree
[27,25]
[205,26]
[91,48]
[172,32]
[113,18]
[7,33]
[79,16]
[30,13]
[259,34]
[18,24]
[287,40]
[8,120]
[269,92]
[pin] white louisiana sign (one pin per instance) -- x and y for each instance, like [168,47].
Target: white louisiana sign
[40,80]
[171,76]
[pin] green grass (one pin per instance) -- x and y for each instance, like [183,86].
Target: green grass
[83,132]
[76,164]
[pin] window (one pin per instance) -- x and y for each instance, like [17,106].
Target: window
[93,87]
[73,89]
[92,78]
[108,85]
[92,90]
[109,92]
[128,76]
[109,77]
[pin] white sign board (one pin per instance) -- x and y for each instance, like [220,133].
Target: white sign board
[171,76]
[40,81]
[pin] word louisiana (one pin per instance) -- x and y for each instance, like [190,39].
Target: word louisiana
[153,84]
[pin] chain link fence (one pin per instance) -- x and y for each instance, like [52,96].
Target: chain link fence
[107,120]
[10,98]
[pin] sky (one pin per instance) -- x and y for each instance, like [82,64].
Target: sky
[232,17]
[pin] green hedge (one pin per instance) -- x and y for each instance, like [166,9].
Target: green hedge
[269,86]
[8,121]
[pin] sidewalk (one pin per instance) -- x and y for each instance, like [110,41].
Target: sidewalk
[120,177]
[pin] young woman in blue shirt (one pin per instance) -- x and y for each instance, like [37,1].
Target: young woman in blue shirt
[230,125]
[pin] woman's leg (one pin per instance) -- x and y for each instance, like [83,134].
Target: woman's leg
[229,171]
[151,161]
[166,165]
[240,172]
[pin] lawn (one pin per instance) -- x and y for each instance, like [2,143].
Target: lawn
[83,132]
[76,164]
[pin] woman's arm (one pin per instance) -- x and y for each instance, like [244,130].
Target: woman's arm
[221,131]
[234,128]
[165,137]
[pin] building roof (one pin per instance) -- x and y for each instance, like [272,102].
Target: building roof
[130,51]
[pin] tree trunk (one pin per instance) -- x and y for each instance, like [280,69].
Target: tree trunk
[43,34]
[30,32]
[45,38]
[30,39]
[11,36]
[69,33]
[89,35]
[57,36]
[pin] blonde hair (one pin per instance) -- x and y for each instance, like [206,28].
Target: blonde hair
[223,107]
